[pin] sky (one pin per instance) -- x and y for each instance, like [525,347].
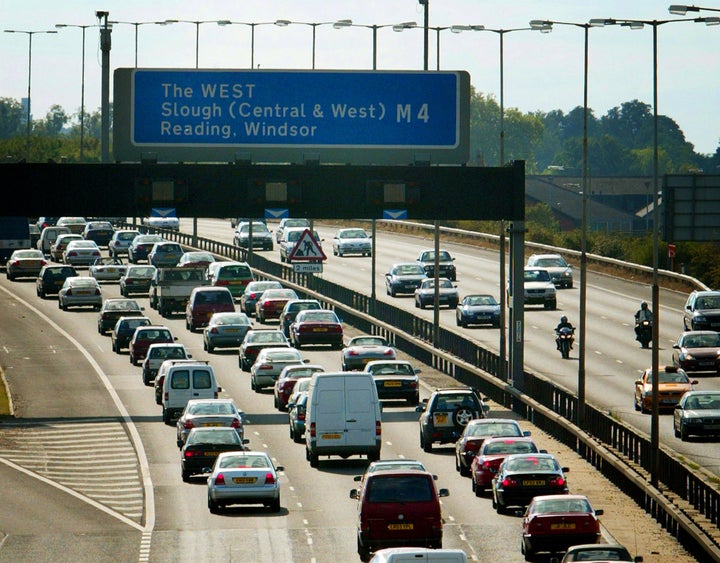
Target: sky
[542,71]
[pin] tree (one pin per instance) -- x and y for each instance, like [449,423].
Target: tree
[13,118]
[55,120]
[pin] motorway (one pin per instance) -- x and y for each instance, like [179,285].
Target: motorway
[91,473]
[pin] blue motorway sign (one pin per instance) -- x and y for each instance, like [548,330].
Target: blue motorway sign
[260,113]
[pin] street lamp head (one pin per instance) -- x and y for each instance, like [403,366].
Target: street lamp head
[342,23]
[543,26]
[461,28]
[404,25]
[602,22]
[282,23]
[224,22]
[709,21]
[681,10]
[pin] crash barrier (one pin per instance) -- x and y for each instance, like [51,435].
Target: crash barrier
[688,503]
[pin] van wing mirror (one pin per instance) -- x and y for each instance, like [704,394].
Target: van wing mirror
[354,494]
[444,493]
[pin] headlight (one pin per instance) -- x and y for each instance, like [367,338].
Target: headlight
[700,319]
[688,357]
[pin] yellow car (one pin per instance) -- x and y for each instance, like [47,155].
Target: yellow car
[673,383]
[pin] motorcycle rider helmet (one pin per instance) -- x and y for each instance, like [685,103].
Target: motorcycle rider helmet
[643,305]
[563,319]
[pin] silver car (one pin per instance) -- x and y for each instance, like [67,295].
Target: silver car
[80,291]
[208,413]
[225,330]
[244,478]
[269,363]
[561,273]
[25,263]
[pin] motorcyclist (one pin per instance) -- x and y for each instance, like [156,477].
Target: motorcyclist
[564,323]
[642,314]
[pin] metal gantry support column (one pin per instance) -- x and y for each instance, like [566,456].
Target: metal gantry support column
[517,305]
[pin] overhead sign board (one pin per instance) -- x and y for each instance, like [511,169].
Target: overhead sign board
[691,205]
[355,117]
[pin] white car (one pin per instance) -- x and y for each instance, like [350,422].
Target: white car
[244,478]
[108,269]
[81,252]
[539,288]
[352,241]
[269,363]
[80,291]
[162,222]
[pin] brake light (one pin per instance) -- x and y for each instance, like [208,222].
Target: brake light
[220,479]
[378,428]
[472,446]
[352,353]
[214,330]
[388,352]
[97,291]
[236,424]
[313,430]
[557,482]
[265,366]
[507,482]
[269,478]
[300,415]
[222,282]
[72,253]
[188,425]
[191,453]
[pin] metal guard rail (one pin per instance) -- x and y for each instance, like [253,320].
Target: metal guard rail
[619,452]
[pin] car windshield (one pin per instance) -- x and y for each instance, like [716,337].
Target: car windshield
[669,377]
[708,302]
[493,429]
[257,461]
[400,488]
[230,319]
[354,233]
[443,256]
[554,262]
[262,286]
[701,402]
[391,369]
[210,408]
[368,341]
[478,300]
[410,270]
[562,505]
[319,316]
[710,340]
[140,272]
[536,275]
[148,238]
[532,463]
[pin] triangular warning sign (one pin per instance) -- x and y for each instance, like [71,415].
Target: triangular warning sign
[307,248]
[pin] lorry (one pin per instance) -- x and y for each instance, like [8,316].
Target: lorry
[170,288]
[14,234]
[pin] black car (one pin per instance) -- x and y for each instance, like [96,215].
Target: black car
[702,311]
[124,329]
[113,309]
[203,445]
[51,278]
[262,238]
[292,308]
[445,264]
[141,246]
[404,278]
[521,477]
[446,413]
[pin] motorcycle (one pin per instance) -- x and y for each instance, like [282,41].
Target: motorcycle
[564,341]
[643,331]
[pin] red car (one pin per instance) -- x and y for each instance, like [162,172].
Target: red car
[553,523]
[143,337]
[492,453]
[272,302]
[320,326]
[476,432]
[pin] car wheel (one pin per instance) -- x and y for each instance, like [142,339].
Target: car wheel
[414,400]
[676,431]
[166,416]
[373,456]
[10,277]
[427,446]
[363,552]
[185,476]
[210,348]
[252,383]
[392,292]
[275,505]
[684,434]
[464,471]
[312,458]
[213,506]
[132,360]
[461,416]
[637,404]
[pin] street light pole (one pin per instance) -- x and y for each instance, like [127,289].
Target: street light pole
[336,24]
[136,25]
[655,421]
[252,26]
[426,27]
[29,114]
[196,23]
[82,87]
[545,26]
[396,27]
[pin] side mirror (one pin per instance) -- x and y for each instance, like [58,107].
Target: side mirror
[279,468]
[357,478]
[526,432]
[420,408]
[219,389]
[565,469]
[486,408]
[599,512]
[443,493]
[354,494]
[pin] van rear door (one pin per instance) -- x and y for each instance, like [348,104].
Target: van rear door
[361,411]
[330,413]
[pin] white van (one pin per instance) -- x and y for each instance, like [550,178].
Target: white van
[343,416]
[48,237]
[419,555]
[185,380]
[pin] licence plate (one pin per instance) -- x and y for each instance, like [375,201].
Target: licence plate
[669,401]
[244,480]
[330,436]
[563,526]
[408,526]
[232,330]
[81,292]
[211,454]
[533,482]
[212,424]
[319,329]
[440,417]
[393,384]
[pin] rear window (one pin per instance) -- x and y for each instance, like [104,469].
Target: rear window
[201,379]
[206,297]
[234,272]
[405,488]
[180,379]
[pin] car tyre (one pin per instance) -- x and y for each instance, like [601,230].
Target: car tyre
[213,506]
[464,471]
[426,445]
[166,416]
[461,416]
[297,438]
[185,476]
[275,505]
[252,383]
[312,458]
[676,431]
[684,434]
